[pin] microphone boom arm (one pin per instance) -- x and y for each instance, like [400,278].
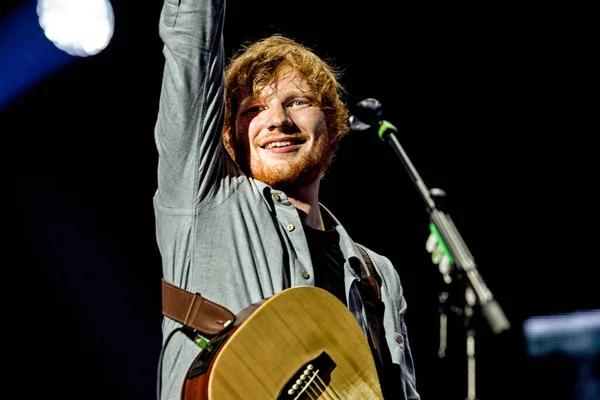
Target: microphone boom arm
[449,237]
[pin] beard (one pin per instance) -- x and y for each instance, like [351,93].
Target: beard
[282,176]
[305,170]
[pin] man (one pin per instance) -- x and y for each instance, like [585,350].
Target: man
[241,158]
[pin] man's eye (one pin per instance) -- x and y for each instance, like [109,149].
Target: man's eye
[296,103]
[251,110]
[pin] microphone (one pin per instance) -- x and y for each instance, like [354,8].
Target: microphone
[368,114]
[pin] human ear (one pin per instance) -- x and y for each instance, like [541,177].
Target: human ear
[228,140]
[333,137]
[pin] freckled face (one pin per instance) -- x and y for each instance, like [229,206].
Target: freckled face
[283,134]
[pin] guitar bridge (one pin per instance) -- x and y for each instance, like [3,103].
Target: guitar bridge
[309,381]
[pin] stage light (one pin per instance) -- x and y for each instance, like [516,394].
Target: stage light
[573,341]
[79,27]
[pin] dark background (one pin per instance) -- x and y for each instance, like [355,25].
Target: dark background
[494,104]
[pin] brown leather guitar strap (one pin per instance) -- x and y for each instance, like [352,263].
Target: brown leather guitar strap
[374,308]
[194,311]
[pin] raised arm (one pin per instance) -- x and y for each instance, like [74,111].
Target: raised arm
[190,117]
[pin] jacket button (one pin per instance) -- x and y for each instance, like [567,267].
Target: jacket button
[305,275]
[290,227]
[276,197]
[399,339]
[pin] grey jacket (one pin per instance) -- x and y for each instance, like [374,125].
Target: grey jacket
[220,233]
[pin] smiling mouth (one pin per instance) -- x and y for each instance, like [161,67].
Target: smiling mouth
[282,143]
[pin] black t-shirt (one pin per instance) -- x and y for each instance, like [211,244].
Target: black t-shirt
[328,261]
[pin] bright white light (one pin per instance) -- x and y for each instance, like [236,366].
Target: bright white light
[79,27]
[565,323]
[576,333]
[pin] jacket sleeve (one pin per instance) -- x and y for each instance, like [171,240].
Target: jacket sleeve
[408,367]
[188,128]
[395,325]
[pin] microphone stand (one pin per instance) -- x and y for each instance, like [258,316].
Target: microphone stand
[461,266]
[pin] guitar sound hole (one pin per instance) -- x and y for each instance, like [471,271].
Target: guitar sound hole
[309,381]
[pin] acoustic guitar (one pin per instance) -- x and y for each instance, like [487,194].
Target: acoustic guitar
[302,343]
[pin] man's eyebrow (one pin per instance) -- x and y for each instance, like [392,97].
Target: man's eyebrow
[248,100]
[300,92]
[292,92]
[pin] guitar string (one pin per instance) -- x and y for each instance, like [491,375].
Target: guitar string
[311,396]
[312,389]
[327,390]
[309,388]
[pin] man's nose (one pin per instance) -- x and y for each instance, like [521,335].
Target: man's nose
[278,117]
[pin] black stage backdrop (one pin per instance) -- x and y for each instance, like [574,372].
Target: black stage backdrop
[493,104]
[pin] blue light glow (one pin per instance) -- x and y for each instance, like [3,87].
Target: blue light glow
[26,55]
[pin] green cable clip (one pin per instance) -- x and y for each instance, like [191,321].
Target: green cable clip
[435,231]
[385,125]
[201,341]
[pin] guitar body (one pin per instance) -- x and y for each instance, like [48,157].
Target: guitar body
[302,343]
